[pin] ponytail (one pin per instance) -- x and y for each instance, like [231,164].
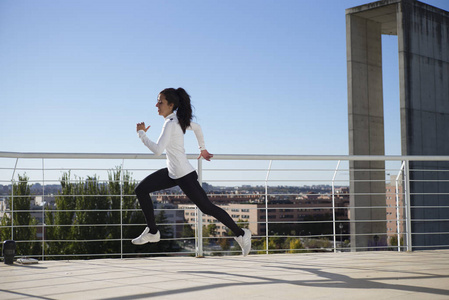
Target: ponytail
[181,102]
[184,112]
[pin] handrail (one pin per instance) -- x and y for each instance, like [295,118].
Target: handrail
[60,155]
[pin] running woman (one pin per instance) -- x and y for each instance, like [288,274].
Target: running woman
[174,105]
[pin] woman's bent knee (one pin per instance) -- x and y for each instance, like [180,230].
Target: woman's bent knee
[139,190]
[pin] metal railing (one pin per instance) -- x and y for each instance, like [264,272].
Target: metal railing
[316,216]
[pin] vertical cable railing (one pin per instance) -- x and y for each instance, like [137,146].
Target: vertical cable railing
[199,215]
[12,199]
[266,209]
[398,206]
[121,206]
[333,207]
[408,218]
[43,209]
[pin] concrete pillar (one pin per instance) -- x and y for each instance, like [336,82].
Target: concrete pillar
[366,130]
[423,45]
[423,36]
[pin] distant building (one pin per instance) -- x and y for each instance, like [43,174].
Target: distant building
[395,207]
[243,212]
[45,200]
[298,208]
[3,207]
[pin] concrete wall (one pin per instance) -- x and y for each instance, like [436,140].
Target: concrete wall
[423,37]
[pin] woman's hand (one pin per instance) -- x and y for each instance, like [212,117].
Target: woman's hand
[206,155]
[141,126]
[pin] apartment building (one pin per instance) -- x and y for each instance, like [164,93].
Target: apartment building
[279,211]
[395,206]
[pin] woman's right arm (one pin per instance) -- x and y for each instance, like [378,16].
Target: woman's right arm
[198,133]
[159,147]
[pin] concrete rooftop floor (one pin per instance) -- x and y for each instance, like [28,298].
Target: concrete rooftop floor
[361,275]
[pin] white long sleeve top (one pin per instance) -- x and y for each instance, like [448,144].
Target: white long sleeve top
[172,141]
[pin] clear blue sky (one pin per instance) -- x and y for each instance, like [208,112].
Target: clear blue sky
[266,77]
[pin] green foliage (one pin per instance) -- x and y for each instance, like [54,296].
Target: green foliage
[60,222]
[225,243]
[393,241]
[294,245]
[278,244]
[131,213]
[210,230]
[87,220]
[317,245]
[81,215]
[24,224]
[187,231]
[275,244]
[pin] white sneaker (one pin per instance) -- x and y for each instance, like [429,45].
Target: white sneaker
[245,241]
[147,237]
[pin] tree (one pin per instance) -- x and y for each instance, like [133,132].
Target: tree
[209,232]
[187,231]
[225,242]
[92,217]
[393,241]
[116,193]
[274,243]
[80,219]
[21,220]
[293,245]
[131,215]
[278,244]
[60,222]
[92,207]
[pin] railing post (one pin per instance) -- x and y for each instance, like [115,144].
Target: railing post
[333,207]
[121,208]
[398,215]
[199,224]
[12,200]
[408,221]
[12,209]
[266,208]
[43,210]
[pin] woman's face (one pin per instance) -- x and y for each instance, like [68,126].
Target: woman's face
[163,108]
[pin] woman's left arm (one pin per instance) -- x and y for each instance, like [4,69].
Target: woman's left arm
[200,138]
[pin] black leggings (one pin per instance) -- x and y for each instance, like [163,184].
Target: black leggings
[189,184]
